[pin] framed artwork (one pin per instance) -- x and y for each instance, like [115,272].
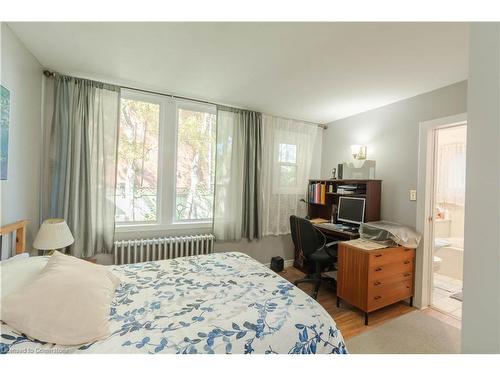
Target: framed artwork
[4,131]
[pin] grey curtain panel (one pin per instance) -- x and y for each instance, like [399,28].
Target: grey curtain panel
[83,149]
[252,180]
[238,189]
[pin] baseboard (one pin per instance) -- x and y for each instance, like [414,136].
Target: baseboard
[287,263]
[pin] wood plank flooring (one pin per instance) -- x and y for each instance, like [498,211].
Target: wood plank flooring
[349,320]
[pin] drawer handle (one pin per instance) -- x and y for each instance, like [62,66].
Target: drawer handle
[378,269]
[406,274]
[377,297]
[407,262]
[378,255]
[407,287]
[377,283]
[407,249]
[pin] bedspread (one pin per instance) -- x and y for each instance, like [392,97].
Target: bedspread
[217,303]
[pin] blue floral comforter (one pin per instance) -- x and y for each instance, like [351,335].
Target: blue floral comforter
[217,303]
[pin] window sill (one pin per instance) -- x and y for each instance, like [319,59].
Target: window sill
[131,228]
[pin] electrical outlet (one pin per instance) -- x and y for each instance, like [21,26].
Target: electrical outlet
[413,195]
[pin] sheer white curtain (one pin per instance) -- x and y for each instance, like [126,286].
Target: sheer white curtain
[228,202]
[288,151]
[450,187]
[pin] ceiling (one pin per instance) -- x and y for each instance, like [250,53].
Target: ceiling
[317,72]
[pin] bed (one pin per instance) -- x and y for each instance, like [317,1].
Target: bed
[217,303]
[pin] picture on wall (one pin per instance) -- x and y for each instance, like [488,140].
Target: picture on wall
[4,131]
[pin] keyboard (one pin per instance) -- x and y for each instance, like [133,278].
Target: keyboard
[332,226]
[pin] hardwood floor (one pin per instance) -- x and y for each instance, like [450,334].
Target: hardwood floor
[349,320]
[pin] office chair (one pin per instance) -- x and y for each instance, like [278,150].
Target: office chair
[312,246]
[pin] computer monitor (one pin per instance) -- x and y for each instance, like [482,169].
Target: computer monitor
[351,210]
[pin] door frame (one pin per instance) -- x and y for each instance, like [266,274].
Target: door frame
[426,187]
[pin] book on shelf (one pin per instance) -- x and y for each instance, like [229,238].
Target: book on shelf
[317,193]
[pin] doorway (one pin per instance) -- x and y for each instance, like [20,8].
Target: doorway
[440,214]
[448,204]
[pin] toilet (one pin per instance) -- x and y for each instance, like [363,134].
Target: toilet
[437,261]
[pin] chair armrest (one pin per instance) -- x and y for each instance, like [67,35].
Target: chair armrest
[333,243]
[331,248]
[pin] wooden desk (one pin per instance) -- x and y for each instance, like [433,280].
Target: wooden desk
[373,279]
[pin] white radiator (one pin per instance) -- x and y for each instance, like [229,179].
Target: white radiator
[148,249]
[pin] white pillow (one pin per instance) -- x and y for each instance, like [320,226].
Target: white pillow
[16,273]
[68,303]
[16,257]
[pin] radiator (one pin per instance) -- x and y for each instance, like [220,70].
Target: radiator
[148,249]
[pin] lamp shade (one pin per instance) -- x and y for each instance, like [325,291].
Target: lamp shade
[53,234]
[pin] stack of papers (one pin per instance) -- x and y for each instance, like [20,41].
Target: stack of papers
[365,244]
[318,221]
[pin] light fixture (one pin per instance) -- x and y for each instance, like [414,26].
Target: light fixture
[53,234]
[358,152]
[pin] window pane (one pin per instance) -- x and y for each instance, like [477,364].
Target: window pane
[288,175]
[287,153]
[195,165]
[137,175]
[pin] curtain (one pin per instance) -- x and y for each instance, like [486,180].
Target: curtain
[252,163]
[288,151]
[238,188]
[83,148]
[450,186]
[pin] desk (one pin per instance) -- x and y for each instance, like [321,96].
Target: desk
[337,233]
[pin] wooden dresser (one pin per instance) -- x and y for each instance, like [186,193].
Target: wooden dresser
[372,279]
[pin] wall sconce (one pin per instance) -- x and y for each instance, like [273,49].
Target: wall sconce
[358,152]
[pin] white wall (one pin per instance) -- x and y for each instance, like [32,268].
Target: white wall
[21,73]
[391,134]
[481,304]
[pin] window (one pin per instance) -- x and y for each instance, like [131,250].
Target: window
[287,159]
[137,174]
[289,147]
[166,163]
[195,165]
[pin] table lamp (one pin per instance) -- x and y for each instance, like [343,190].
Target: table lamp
[53,234]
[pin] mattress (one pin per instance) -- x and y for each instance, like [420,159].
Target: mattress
[217,303]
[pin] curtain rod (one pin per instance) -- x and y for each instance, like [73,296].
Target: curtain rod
[50,74]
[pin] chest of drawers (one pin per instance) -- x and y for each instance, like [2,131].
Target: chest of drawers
[372,279]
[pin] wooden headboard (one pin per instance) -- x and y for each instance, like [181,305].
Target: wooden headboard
[20,229]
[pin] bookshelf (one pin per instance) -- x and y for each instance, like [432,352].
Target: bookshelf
[333,190]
